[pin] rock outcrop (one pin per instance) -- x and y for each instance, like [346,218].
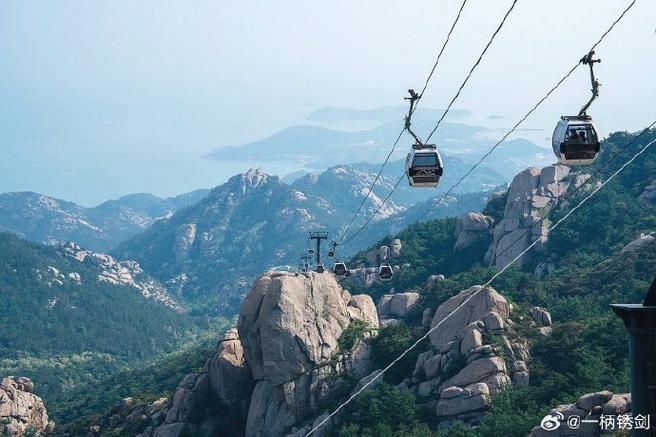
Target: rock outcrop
[529,192]
[473,354]
[20,410]
[470,228]
[290,326]
[397,305]
[589,409]
[649,193]
[638,243]
[275,373]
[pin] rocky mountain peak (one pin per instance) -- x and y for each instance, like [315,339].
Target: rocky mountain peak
[282,364]
[529,193]
[254,178]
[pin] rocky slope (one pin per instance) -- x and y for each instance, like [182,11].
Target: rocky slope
[589,408]
[282,365]
[473,354]
[48,220]
[210,252]
[21,411]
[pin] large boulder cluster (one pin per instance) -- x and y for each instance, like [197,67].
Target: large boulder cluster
[280,367]
[589,408]
[21,411]
[470,228]
[528,194]
[473,354]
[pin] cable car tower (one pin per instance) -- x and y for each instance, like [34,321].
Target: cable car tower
[318,237]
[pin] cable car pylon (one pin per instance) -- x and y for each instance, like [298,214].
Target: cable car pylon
[318,237]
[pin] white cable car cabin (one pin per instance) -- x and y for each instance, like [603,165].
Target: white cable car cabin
[385,272]
[339,269]
[423,166]
[575,140]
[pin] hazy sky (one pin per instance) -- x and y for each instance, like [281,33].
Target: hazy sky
[137,86]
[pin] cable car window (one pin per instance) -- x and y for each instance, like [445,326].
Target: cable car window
[580,134]
[425,160]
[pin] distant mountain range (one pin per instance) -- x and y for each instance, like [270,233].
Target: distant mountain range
[321,146]
[45,219]
[208,253]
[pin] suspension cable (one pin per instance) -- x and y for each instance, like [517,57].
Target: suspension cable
[414,107]
[428,79]
[471,71]
[371,217]
[497,274]
[528,114]
[475,293]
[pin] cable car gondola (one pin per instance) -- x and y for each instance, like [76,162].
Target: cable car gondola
[385,272]
[575,140]
[319,268]
[423,165]
[339,269]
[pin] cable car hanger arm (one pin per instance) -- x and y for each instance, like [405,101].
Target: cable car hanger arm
[587,59]
[414,97]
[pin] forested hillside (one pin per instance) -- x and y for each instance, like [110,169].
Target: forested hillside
[591,266]
[68,317]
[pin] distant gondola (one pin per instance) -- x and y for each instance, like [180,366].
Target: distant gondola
[340,269]
[385,272]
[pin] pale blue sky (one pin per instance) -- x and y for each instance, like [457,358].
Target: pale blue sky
[148,86]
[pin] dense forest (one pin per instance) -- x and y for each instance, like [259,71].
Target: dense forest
[68,331]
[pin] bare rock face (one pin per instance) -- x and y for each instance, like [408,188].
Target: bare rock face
[274,373]
[20,410]
[485,302]
[185,236]
[529,192]
[465,364]
[541,316]
[306,316]
[396,305]
[470,227]
[225,380]
[395,248]
[229,374]
[290,325]
[589,409]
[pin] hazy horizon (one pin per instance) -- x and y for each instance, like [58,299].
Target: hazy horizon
[106,99]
